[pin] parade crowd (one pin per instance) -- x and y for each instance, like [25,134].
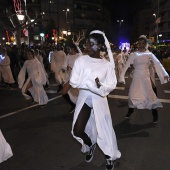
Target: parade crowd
[85,76]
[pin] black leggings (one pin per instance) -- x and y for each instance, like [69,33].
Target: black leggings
[80,124]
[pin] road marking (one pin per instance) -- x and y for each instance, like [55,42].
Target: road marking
[126,97]
[118,97]
[51,91]
[26,108]
[120,88]
[166,91]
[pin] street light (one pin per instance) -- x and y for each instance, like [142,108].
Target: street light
[120,21]
[156,22]
[66,11]
[42,37]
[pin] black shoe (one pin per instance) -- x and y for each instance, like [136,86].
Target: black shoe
[130,111]
[72,109]
[155,116]
[42,106]
[90,153]
[33,102]
[155,120]
[128,115]
[109,164]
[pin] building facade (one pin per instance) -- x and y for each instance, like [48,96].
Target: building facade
[160,27]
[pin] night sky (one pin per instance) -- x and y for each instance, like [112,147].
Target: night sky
[123,10]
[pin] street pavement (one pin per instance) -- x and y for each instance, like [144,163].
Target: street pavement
[41,138]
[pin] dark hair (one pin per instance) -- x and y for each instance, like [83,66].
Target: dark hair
[3,50]
[30,51]
[72,45]
[98,37]
[59,47]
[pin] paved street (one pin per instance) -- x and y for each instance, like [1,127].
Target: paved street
[41,140]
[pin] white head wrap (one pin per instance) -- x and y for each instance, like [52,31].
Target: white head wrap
[144,36]
[106,44]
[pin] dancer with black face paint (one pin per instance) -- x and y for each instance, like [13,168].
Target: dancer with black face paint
[95,78]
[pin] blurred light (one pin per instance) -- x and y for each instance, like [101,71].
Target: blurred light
[64,32]
[20,17]
[42,34]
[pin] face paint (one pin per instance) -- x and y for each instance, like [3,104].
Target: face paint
[92,43]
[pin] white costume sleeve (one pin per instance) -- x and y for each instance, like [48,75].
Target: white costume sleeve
[161,72]
[127,65]
[65,63]
[84,79]
[77,79]
[52,62]
[21,76]
[107,86]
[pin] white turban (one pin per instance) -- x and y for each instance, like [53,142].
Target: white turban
[144,36]
[110,54]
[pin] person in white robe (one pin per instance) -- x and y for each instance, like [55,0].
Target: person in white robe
[33,86]
[119,62]
[58,58]
[5,149]
[95,78]
[38,55]
[141,94]
[5,69]
[69,93]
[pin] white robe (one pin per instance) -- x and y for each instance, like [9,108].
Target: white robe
[141,94]
[5,70]
[37,76]
[40,59]
[70,59]
[99,126]
[5,149]
[57,61]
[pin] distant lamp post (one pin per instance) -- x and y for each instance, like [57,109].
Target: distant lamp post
[156,30]
[42,37]
[66,33]
[120,22]
[66,11]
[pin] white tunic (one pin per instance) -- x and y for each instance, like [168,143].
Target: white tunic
[37,76]
[141,94]
[5,69]
[99,126]
[5,149]
[70,59]
[57,61]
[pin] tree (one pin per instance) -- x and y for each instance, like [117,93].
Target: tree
[17,25]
